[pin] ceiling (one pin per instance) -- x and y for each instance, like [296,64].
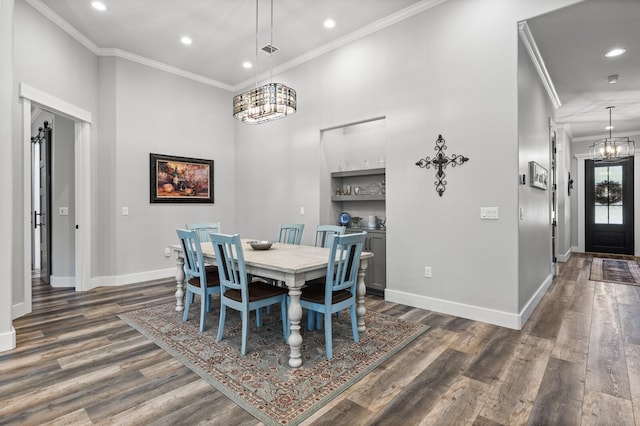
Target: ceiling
[572,42]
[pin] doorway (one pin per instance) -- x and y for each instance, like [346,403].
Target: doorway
[609,206]
[41,144]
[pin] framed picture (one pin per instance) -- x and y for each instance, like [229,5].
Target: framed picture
[539,175]
[180,179]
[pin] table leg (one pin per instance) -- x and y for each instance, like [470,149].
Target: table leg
[295,338]
[179,284]
[361,290]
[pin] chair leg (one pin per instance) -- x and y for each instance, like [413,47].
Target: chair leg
[187,302]
[354,323]
[245,331]
[319,320]
[310,318]
[259,317]
[328,341]
[203,310]
[223,314]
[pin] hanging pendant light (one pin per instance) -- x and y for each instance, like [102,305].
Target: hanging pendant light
[265,103]
[612,148]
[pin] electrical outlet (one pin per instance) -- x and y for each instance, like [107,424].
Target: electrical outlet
[167,252]
[427,271]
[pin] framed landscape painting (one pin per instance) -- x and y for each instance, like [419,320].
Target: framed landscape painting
[180,179]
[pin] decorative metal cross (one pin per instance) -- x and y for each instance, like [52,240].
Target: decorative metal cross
[440,162]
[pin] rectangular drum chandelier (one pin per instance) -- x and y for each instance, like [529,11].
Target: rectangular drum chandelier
[265,103]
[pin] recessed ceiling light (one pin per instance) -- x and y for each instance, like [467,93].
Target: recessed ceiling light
[186,40]
[616,51]
[98,5]
[329,23]
[247,64]
[609,128]
[613,78]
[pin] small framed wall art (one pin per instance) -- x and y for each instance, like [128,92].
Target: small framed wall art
[538,175]
[180,179]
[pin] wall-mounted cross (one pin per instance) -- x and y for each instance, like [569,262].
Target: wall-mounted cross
[440,162]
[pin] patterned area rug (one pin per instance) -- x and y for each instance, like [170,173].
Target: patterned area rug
[262,382]
[615,271]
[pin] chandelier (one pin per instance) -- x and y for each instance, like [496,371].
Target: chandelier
[265,103]
[612,148]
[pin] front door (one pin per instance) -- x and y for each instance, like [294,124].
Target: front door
[609,206]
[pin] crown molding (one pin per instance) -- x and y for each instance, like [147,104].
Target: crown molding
[378,25]
[64,25]
[119,53]
[538,62]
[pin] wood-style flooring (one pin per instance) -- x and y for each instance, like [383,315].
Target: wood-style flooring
[577,361]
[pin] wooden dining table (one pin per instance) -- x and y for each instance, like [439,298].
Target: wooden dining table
[291,264]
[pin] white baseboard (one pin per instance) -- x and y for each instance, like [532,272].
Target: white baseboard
[19,310]
[528,309]
[565,257]
[476,313]
[62,282]
[137,277]
[8,340]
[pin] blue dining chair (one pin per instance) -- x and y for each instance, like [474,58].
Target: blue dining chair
[324,238]
[203,229]
[290,233]
[339,291]
[325,234]
[235,291]
[202,232]
[199,280]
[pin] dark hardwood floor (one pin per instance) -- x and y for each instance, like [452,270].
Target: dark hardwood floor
[577,361]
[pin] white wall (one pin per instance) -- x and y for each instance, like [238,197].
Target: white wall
[534,233]
[451,70]
[564,217]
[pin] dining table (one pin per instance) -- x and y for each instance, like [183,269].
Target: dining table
[288,263]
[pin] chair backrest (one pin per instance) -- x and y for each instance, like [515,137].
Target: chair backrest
[344,261]
[193,260]
[230,260]
[325,234]
[203,229]
[290,233]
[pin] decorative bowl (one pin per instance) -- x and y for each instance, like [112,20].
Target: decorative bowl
[260,245]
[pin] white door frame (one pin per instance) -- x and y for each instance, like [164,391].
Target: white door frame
[32,96]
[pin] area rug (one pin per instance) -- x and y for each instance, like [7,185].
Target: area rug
[261,382]
[615,271]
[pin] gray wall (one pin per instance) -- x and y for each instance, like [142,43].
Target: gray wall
[451,70]
[534,234]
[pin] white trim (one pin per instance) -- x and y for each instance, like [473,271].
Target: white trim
[538,62]
[566,256]
[119,53]
[53,104]
[137,277]
[8,340]
[577,189]
[62,282]
[476,313]
[20,309]
[32,96]
[378,25]
[530,306]
[26,208]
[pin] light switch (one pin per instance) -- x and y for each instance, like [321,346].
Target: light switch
[64,211]
[301,211]
[489,213]
[125,211]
